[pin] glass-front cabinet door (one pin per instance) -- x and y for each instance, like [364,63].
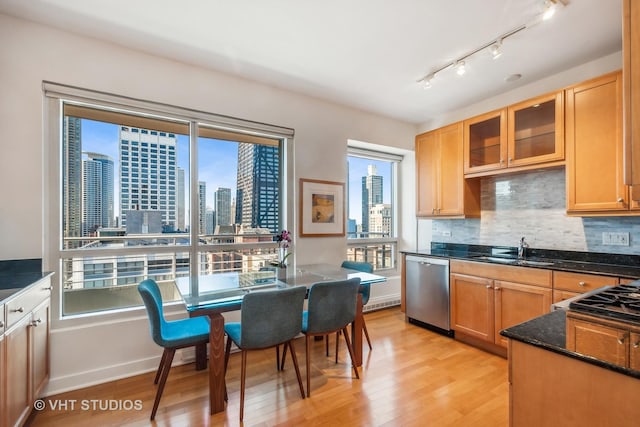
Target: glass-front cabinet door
[485,146]
[536,131]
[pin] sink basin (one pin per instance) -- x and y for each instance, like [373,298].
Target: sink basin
[513,261]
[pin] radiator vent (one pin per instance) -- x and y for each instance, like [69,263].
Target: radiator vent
[380,305]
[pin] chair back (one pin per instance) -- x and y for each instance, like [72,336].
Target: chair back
[152,298]
[269,318]
[365,267]
[332,305]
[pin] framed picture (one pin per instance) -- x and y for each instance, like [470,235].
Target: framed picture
[322,208]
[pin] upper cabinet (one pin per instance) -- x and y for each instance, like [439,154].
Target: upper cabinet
[442,190]
[631,94]
[521,136]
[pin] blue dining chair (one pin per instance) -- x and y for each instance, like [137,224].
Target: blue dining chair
[331,308]
[365,291]
[267,319]
[171,335]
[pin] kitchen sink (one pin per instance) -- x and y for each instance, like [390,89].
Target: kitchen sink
[513,261]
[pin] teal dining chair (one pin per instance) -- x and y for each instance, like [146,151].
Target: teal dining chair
[171,335]
[365,291]
[267,319]
[331,308]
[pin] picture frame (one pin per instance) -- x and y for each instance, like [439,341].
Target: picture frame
[322,208]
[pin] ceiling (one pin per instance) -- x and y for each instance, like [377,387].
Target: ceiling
[367,54]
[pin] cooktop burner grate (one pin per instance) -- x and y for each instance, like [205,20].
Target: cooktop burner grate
[621,301]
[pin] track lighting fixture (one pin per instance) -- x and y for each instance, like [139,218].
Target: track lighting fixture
[494,46]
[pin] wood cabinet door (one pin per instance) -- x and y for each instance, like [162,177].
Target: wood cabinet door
[472,306]
[39,332]
[18,372]
[451,177]
[634,351]
[516,303]
[631,99]
[606,343]
[535,130]
[427,155]
[560,295]
[595,163]
[485,142]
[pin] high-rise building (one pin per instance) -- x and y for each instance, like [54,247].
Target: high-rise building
[380,220]
[148,176]
[180,202]
[258,193]
[371,194]
[202,207]
[223,206]
[97,193]
[72,181]
[210,221]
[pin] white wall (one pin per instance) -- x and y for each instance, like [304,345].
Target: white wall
[31,53]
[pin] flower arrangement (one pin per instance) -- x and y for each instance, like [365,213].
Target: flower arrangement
[284,240]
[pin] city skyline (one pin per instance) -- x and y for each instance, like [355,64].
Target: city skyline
[218,165]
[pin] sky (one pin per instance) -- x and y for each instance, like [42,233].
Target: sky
[218,163]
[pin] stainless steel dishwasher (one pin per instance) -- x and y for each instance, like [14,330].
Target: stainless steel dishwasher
[427,292]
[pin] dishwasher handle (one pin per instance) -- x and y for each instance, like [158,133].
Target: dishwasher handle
[427,260]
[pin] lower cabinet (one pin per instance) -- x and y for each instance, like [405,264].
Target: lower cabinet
[497,298]
[26,354]
[567,285]
[610,341]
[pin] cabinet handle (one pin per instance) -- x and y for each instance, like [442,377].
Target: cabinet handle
[18,310]
[620,200]
[433,211]
[622,338]
[48,288]
[497,288]
[582,283]
[489,286]
[510,159]
[636,344]
[36,322]
[501,162]
[1,324]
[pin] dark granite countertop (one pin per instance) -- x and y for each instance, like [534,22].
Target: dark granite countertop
[549,332]
[616,265]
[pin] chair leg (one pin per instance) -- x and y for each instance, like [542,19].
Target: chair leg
[227,352]
[295,365]
[243,375]
[284,357]
[307,339]
[160,367]
[350,348]
[366,333]
[337,344]
[163,378]
[278,368]
[326,345]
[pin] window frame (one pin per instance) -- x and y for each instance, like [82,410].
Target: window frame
[395,160]
[55,96]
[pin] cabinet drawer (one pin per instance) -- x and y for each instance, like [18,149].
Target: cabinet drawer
[24,303]
[508,273]
[579,282]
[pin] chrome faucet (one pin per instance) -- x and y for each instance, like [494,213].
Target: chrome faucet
[522,249]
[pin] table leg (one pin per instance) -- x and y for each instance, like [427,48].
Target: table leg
[216,363]
[201,357]
[356,333]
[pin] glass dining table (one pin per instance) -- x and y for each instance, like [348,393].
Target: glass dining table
[212,295]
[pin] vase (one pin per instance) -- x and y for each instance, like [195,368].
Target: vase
[281,273]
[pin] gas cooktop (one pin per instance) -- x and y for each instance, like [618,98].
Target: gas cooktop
[619,302]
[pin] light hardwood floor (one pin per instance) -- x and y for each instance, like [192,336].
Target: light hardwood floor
[413,377]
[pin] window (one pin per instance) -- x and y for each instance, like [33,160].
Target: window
[372,207]
[217,208]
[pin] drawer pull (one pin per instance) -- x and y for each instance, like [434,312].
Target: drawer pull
[36,322]
[489,286]
[497,288]
[18,310]
[636,344]
[621,339]
[582,283]
[1,324]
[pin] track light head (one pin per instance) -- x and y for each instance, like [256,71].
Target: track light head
[495,49]
[460,68]
[550,7]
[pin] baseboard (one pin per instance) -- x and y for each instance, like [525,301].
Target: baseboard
[380,303]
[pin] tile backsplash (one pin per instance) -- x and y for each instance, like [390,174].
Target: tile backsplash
[533,205]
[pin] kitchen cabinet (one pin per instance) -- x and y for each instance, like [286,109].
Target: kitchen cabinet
[442,190]
[26,343]
[631,94]
[594,142]
[519,137]
[486,298]
[567,284]
[608,340]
